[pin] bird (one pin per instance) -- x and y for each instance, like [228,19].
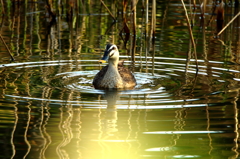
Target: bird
[114,75]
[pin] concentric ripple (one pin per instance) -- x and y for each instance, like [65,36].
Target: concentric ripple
[164,83]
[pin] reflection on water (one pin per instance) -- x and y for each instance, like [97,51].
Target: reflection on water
[63,116]
[49,109]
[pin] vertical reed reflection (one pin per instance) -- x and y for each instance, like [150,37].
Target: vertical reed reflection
[65,128]
[235,148]
[77,112]
[27,126]
[26,131]
[66,131]
[58,148]
[46,94]
[13,131]
[208,129]
[189,55]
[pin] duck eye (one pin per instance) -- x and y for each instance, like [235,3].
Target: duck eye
[112,49]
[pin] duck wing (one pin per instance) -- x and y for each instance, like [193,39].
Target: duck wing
[126,75]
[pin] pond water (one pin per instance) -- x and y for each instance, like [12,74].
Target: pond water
[49,108]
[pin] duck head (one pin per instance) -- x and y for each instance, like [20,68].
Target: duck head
[111,54]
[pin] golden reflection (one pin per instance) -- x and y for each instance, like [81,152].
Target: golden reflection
[58,150]
[236,126]
[46,94]
[77,115]
[208,129]
[26,131]
[111,143]
[13,131]
[65,129]
[179,124]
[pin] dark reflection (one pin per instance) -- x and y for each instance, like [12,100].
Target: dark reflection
[111,116]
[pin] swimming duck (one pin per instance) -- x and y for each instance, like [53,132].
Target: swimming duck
[114,75]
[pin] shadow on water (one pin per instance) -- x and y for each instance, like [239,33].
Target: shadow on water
[49,109]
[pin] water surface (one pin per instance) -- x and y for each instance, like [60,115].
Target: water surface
[49,108]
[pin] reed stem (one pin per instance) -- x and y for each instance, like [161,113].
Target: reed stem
[9,52]
[108,10]
[191,35]
[220,32]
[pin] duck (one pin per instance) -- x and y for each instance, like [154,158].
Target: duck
[114,75]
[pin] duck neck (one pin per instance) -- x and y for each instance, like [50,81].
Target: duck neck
[113,68]
[113,63]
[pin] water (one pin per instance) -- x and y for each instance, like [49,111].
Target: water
[49,108]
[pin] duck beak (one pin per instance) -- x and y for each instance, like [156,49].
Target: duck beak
[105,57]
[102,61]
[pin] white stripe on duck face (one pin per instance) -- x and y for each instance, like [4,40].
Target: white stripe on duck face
[112,47]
